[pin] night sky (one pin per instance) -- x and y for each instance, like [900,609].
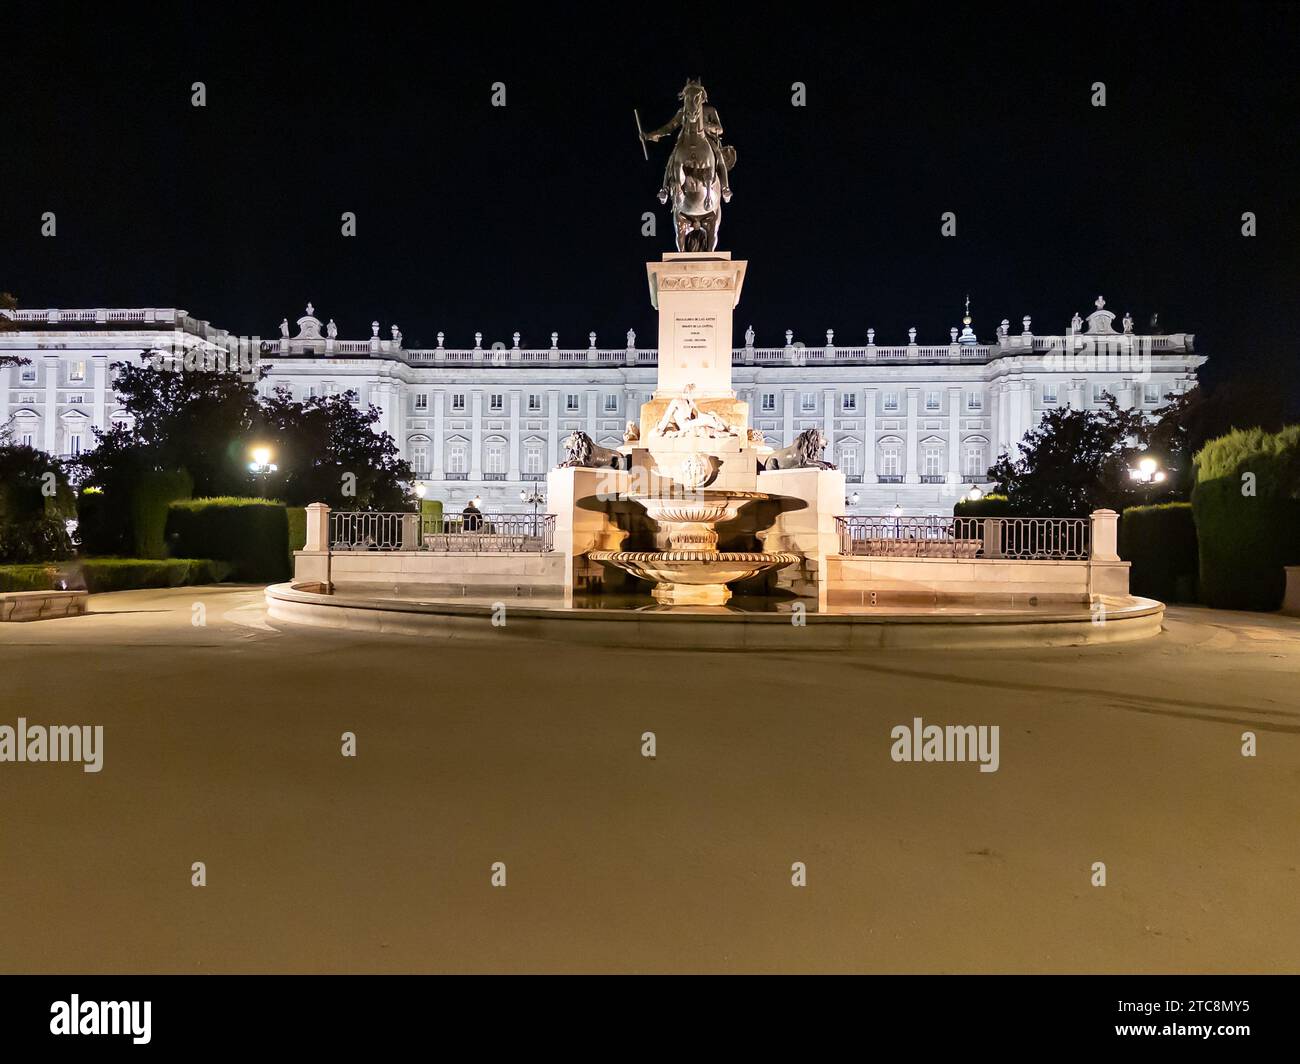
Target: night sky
[528,217]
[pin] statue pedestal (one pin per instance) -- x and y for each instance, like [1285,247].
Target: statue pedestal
[585,527]
[695,294]
[809,532]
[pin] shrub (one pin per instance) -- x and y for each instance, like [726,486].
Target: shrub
[251,534]
[1247,507]
[296,516]
[28,577]
[151,496]
[36,505]
[113,574]
[431,514]
[103,523]
[985,506]
[126,574]
[1160,542]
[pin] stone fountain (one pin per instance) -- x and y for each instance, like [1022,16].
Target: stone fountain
[692,462]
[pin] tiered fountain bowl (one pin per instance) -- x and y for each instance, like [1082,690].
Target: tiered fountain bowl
[693,572]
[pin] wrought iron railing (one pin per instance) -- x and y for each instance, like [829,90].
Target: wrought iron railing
[526,533]
[1025,538]
[514,533]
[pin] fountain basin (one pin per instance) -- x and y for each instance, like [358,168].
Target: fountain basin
[693,577]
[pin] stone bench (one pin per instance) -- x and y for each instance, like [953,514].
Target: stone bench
[41,605]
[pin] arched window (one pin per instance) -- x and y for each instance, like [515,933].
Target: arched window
[975,457]
[889,460]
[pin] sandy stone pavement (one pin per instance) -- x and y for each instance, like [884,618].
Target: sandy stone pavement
[222,745]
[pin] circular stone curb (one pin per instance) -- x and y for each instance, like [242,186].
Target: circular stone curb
[716,628]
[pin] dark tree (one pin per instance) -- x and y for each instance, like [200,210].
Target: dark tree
[332,454]
[1074,462]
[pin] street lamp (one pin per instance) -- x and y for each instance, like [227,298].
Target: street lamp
[1147,472]
[852,500]
[974,495]
[536,498]
[261,465]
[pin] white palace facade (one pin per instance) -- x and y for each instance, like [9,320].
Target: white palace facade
[912,425]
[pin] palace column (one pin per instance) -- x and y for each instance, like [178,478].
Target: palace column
[4,395]
[869,437]
[476,436]
[435,472]
[593,397]
[552,428]
[101,392]
[51,403]
[954,435]
[1026,407]
[787,424]
[912,476]
[514,435]
[828,419]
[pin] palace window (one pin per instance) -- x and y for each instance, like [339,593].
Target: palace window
[571,402]
[74,444]
[849,402]
[496,402]
[28,375]
[456,457]
[420,458]
[932,401]
[976,464]
[533,458]
[1150,394]
[974,401]
[891,402]
[808,402]
[28,439]
[458,401]
[328,388]
[534,402]
[494,457]
[891,458]
[1049,394]
[768,402]
[933,459]
[421,401]
[77,399]
[77,371]
[849,460]
[611,403]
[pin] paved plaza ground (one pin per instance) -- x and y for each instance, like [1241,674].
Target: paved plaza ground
[222,745]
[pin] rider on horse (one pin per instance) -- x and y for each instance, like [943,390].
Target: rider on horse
[696,109]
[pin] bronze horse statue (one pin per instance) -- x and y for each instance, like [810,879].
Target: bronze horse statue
[697,179]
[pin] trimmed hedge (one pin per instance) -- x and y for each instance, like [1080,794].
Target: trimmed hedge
[251,534]
[28,577]
[1160,542]
[431,513]
[102,526]
[296,516]
[114,574]
[985,506]
[1247,507]
[151,497]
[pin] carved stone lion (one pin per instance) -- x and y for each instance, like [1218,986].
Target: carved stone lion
[584,451]
[804,453]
